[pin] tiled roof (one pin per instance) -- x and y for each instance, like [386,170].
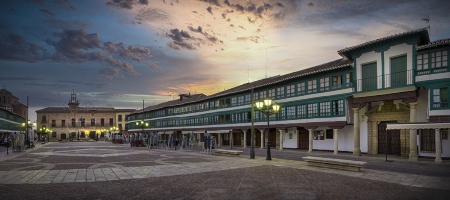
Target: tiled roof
[99,109]
[336,64]
[423,32]
[434,44]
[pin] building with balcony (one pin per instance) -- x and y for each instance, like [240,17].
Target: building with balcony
[12,114]
[386,96]
[11,103]
[75,122]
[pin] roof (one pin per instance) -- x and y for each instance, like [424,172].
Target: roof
[81,109]
[329,66]
[443,42]
[422,33]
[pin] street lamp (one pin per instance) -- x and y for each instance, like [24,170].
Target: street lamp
[268,109]
[43,131]
[142,124]
[26,125]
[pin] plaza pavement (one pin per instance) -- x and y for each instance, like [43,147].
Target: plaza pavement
[101,170]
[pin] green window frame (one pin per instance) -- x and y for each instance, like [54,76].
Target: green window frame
[324,84]
[290,90]
[440,98]
[312,86]
[301,111]
[422,61]
[439,59]
[313,110]
[369,76]
[301,88]
[324,109]
[398,71]
[280,92]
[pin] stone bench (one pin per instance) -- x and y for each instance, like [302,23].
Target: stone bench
[225,152]
[350,165]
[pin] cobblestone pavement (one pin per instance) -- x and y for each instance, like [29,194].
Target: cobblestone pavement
[101,170]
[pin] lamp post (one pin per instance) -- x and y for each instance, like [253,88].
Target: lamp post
[43,131]
[26,125]
[268,109]
[142,124]
[113,130]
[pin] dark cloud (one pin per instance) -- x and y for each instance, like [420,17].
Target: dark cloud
[254,39]
[181,39]
[127,4]
[71,43]
[72,8]
[136,53]
[209,9]
[250,20]
[214,2]
[110,72]
[152,14]
[310,4]
[224,15]
[15,47]
[199,29]
[46,12]
[279,4]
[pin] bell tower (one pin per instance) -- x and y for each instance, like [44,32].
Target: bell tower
[73,102]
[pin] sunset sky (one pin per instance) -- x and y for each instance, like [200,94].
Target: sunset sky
[120,52]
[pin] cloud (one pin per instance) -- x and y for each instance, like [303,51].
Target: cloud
[15,47]
[71,43]
[214,2]
[47,12]
[127,4]
[152,14]
[199,29]
[209,9]
[181,39]
[136,53]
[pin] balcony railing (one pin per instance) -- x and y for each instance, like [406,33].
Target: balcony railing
[432,71]
[439,105]
[398,79]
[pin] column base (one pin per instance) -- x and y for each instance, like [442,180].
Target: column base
[438,160]
[335,153]
[309,152]
[413,157]
[357,152]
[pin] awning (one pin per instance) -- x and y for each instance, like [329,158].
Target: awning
[419,125]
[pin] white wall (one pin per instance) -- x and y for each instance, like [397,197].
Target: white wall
[363,130]
[445,149]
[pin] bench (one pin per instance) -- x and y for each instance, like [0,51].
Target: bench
[225,152]
[350,165]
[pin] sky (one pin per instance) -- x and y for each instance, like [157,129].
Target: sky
[120,52]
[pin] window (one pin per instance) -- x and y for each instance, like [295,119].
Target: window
[325,109]
[349,79]
[73,122]
[324,83]
[312,110]
[44,119]
[319,135]
[262,95]
[282,114]
[280,92]
[290,136]
[427,141]
[301,111]
[338,107]
[102,122]
[247,99]
[290,112]
[240,100]
[257,118]
[329,134]
[290,90]
[53,123]
[439,59]
[233,101]
[119,118]
[63,123]
[272,93]
[422,61]
[336,81]
[111,121]
[301,88]
[82,121]
[53,134]
[440,98]
[92,121]
[120,127]
[312,86]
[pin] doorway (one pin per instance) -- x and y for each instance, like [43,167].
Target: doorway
[303,139]
[388,140]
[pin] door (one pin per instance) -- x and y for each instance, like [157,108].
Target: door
[290,138]
[398,71]
[388,140]
[237,137]
[63,136]
[273,138]
[303,139]
[369,77]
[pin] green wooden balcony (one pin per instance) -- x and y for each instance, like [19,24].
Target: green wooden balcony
[386,81]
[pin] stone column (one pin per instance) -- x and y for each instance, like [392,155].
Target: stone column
[438,146]
[356,149]
[412,133]
[262,138]
[231,139]
[220,139]
[335,140]
[310,140]
[281,139]
[245,139]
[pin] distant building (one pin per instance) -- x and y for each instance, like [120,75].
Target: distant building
[11,103]
[386,96]
[12,113]
[75,122]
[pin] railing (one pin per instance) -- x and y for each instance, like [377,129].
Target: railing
[398,79]
[439,105]
[432,71]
